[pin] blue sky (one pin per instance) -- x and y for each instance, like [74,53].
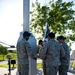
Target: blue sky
[11,18]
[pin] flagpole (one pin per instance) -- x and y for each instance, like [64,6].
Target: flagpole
[26,19]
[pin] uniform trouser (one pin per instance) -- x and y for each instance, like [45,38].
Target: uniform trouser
[51,70]
[44,68]
[23,69]
[63,69]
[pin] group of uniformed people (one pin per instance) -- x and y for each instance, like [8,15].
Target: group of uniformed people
[55,55]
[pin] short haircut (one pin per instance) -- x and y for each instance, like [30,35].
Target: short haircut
[40,41]
[51,35]
[61,37]
[26,33]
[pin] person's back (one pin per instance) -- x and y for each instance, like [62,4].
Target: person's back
[63,69]
[53,55]
[51,52]
[22,51]
[66,59]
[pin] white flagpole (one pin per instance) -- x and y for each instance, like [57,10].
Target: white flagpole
[26,12]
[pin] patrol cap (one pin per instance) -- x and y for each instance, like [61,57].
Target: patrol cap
[61,37]
[51,35]
[26,33]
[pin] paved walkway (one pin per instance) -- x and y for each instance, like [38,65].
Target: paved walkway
[13,72]
[39,71]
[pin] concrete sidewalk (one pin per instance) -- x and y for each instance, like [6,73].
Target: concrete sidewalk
[39,71]
[13,72]
[5,71]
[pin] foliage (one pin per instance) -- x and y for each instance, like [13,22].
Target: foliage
[6,65]
[13,55]
[3,51]
[58,14]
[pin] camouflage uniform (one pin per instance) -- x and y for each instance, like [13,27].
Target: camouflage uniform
[23,51]
[64,60]
[51,51]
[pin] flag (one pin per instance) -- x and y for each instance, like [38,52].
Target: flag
[47,31]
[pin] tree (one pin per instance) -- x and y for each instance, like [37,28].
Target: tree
[39,18]
[3,51]
[58,14]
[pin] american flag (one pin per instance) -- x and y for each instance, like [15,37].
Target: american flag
[47,31]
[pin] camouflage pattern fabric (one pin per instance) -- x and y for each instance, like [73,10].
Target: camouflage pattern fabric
[23,69]
[66,59]
[44,67]
[54,50]
[63,69]
[23,53]
[51,70]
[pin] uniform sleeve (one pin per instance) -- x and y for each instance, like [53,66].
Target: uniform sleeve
[62,51]
[29,51]
[43,51]
[28,48]
[67,53]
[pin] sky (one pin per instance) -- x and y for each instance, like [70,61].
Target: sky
[11,19]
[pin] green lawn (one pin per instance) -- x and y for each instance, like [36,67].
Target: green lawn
[39,65]
[6,66]
[73,64]
[14,57]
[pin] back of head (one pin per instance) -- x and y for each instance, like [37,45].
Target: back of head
[51,35]
[26,33]
[61,37]
[40,41]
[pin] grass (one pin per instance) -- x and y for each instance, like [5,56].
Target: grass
[39,65]
[14,57]
[73,64]
[6,66]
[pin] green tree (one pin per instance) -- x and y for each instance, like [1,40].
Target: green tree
[39,18]
[58,14]
[3,51]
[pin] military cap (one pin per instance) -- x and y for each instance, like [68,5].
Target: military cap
[26,33]
[61,37]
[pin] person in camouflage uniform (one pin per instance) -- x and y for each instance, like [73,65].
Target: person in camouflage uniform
[23,53]
[40,42]
[63,69]
[51,52]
